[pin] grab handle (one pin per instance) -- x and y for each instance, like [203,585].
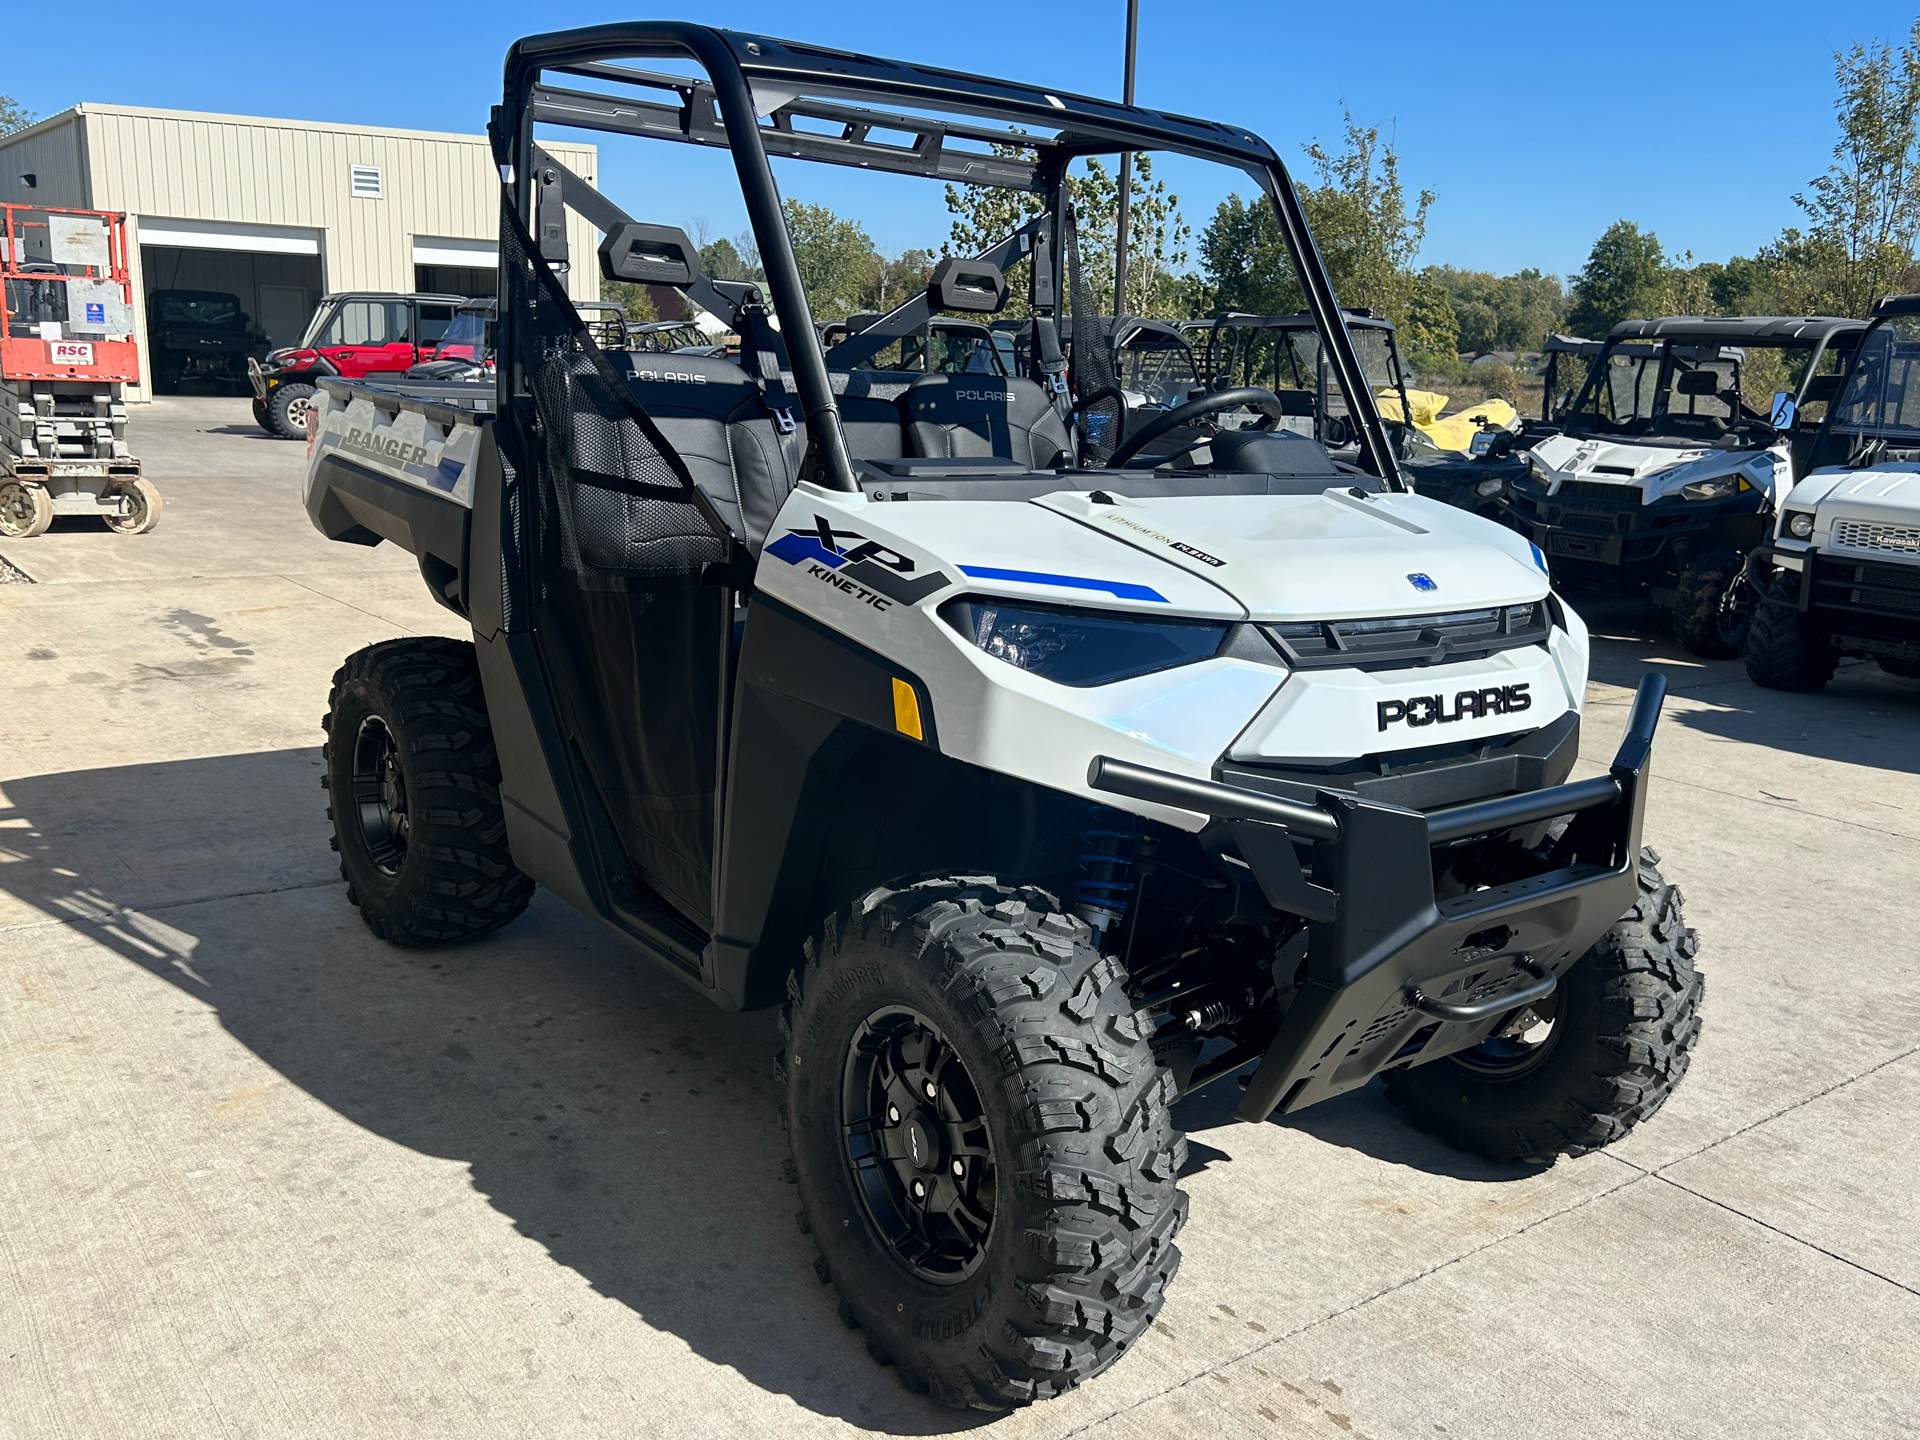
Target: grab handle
[1541,987]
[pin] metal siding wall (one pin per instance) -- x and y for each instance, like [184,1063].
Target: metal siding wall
[274,172]
[192,166]
[52,156]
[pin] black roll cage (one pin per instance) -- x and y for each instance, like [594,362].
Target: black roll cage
[750,75]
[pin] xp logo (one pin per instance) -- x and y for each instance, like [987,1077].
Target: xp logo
[1422,710]
[869,571]
[1423,583]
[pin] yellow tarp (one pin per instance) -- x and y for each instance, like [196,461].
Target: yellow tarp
[1449,432]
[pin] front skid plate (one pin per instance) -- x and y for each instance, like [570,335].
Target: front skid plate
[1337,1037]
[1377,933]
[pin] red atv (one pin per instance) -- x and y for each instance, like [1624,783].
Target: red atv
[350,336]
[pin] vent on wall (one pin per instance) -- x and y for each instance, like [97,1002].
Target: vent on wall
[365,181]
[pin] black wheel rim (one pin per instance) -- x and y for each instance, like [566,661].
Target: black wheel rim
[917,1145]
[1735,613]
[380,795]
[1518,1046]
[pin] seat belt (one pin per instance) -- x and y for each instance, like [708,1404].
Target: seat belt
[1045,341]
[760,337]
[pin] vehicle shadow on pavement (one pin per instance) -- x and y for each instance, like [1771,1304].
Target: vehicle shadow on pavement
[1361,1121]
[1864,717]
[611,1114]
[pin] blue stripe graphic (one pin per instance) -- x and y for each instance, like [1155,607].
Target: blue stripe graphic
[794,547]
[1120,589]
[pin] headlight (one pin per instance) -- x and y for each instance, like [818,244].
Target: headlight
[1493,485]
[1080,647]
[1539,468]
[1717,488]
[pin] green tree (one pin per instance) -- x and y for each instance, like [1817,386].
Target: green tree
[1864,211]
[1245,260]
[838,263]
[1361,219]
[1157,235]
[638,303]
[14,116]
[1431,326]
[1625,277]
[1500,312]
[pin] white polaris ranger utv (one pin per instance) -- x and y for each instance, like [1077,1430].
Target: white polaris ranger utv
[1040,785]
[1841,574]
[1665,476]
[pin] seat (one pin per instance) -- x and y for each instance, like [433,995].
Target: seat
[955,416]
[713,415]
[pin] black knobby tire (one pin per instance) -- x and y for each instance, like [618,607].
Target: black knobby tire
[1787,649]
[1080,1182]
[413,784]
[1714,606]
[262,416]
[287,410]
[1623,1025]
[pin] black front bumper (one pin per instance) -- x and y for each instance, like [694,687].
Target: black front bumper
[1608,527]
[1870,606]
[1395,974]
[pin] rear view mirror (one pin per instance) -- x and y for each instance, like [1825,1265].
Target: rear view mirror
[1782,413]
[1698,382]
[649,255]
[968,285]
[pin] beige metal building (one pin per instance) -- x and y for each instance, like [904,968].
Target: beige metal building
[279,212]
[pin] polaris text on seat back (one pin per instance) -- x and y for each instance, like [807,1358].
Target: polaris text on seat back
[1039,778]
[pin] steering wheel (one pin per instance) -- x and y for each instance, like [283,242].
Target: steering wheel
[1244,395]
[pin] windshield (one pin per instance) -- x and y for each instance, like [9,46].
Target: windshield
[1017,223]
[1700,392]
[468,337]
[1158,366]
[210,311]
[1881,397]
[964,352]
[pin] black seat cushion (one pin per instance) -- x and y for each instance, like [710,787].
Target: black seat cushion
[713,415]
[949,416]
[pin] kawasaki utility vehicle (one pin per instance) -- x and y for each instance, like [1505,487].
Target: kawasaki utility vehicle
[1669,465]
[1841,573]
[1037,784]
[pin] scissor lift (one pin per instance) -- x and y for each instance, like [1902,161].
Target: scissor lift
[66,351]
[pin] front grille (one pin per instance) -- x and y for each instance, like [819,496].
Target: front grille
[1590,496]
[1858,585]
[1589,524]
[1867,535]
[1409,639]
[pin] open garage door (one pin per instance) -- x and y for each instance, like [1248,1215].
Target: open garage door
[215,293]
[445,266]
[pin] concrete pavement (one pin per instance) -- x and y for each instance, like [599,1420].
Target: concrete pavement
[263,1175]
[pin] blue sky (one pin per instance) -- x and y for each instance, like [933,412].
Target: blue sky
[1536,124]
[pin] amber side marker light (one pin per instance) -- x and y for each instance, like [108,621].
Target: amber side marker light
[906,710]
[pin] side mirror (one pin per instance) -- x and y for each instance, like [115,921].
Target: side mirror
[650,255]
[1783,410]
[974,286]
[1336,432]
